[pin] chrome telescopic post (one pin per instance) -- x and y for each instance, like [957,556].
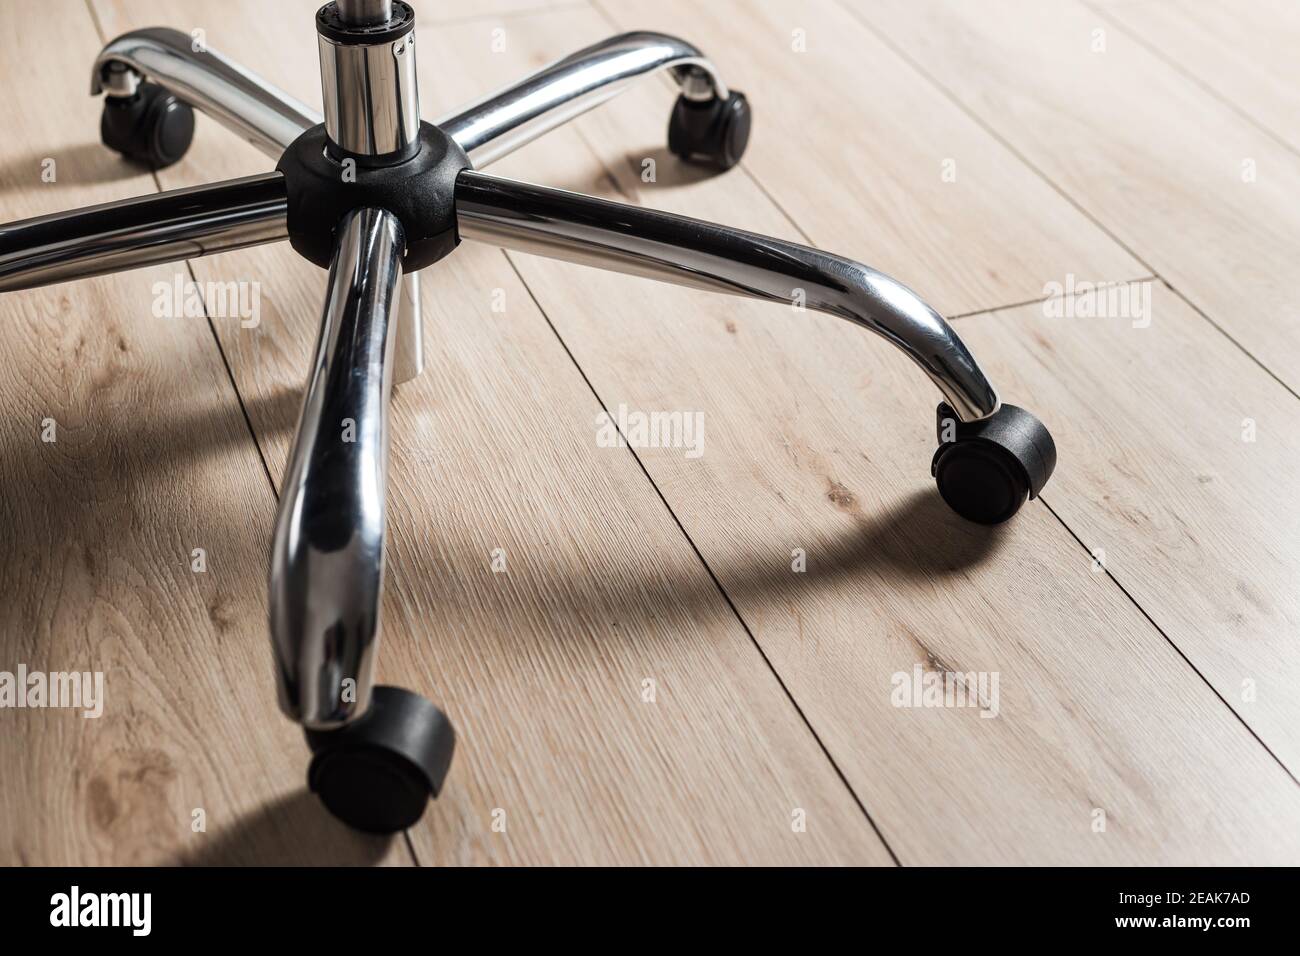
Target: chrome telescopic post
[366,13]
[367,68]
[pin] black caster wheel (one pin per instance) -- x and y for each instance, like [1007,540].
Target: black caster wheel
[379,772]
[987,469]
[150,126]
[715,131]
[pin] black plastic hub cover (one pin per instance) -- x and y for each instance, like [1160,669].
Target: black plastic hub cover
[330,24]
[420,192]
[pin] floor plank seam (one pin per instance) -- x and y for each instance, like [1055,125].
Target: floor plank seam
[1052,298]
[1178,650]
[709,570]
[410,848]
[230,374]
[1173,64]
[94,19]
[753,177]
[1224,332]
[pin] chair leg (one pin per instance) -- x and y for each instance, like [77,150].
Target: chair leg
[502,122]
[379,753]
[660,245]
[991,458]
[255,110]
[143,231]
[327,556]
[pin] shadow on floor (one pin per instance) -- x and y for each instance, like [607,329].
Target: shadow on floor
[918,540]
[293,831]
[89,162]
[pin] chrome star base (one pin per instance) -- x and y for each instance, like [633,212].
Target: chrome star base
[353,192]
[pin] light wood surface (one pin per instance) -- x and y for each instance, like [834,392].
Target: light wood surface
[819,438]
[1195,190]
[1243,53]
[1193,515]
[1121,680]
[867,159]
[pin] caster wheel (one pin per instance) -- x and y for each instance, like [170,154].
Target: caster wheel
[715,131]
[987,469]
[379,772]
[151,126]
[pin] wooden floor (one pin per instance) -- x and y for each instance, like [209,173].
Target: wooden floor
[649,680]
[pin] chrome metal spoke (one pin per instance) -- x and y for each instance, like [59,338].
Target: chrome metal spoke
[327,559]
[705,255]
[268,118]
[143,231]
[502,122]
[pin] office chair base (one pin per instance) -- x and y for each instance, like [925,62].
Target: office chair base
[379,772]
[368,190]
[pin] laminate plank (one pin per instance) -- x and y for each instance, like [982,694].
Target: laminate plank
[150,460]
[1202,195]
[1243,51]
[819,439]
[543,668]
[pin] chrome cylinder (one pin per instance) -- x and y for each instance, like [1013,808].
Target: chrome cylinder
[327,558]
[367,69]
[366,13]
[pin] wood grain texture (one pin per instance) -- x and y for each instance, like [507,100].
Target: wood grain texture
[152,459]
[1201,533]
[819,438]
[1244,52]
[1199,193]
[1178,489]
[542,668]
